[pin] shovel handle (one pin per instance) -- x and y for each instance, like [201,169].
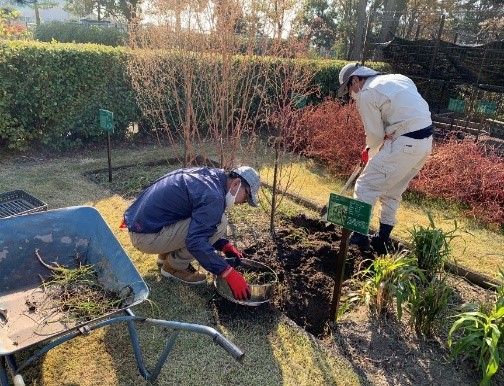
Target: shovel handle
[352,178]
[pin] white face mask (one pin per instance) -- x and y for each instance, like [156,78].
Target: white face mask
[230,198]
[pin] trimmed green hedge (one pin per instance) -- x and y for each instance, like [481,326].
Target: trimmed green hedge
[73,32]
[50,93]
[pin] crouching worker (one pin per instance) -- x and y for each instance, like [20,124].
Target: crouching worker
[182,216]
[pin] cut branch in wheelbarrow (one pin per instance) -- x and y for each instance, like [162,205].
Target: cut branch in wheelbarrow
[76,293]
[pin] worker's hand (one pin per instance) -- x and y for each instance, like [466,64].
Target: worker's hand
[364,157]
[231,251]
[237,283]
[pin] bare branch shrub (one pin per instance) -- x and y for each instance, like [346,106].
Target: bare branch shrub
[199,85]
[291,86]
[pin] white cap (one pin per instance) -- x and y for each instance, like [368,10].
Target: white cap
[353,69]
[251,177]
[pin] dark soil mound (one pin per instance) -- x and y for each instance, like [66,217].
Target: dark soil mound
[305,252]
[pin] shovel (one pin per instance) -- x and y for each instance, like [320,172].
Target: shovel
[356,173]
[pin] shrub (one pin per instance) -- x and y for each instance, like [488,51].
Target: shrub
[461,171]
[456,171]
[71,32]
[334,135]
[51,93]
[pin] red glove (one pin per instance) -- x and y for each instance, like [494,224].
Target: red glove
[237,283]
[364,157]
[231,251]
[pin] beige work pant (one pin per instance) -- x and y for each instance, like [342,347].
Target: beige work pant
[171,240]
[389,172]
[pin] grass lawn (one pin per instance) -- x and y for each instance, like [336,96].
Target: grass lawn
[277,352]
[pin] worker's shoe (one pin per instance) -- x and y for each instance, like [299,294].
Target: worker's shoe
[381,242]
[361,241]
[188,275]
[161,258]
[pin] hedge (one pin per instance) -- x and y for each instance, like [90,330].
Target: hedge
[73,32]
[50,93]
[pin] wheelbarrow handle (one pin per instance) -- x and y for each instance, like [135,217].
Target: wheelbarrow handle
[227,345]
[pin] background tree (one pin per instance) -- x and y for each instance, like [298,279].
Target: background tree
[36,5]
[315,23]
[127,10]
[7,15]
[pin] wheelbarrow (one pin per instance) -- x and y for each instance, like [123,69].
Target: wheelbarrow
[60,235]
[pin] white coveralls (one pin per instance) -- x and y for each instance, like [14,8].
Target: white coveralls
[391,106]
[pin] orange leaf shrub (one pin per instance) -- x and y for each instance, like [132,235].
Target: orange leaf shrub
[461,171]
[334,135]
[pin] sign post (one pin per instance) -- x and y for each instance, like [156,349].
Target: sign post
[107,124]
[352,215]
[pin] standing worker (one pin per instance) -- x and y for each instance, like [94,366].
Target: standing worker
[182,217]
[398,128]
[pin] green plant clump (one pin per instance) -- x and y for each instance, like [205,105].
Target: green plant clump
[426,303]
[388,277]
[431,247]
[257,277]
[478,335]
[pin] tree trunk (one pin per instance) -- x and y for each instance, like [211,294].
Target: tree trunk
[178,22]
[274,191]
[37,13]
[389,8]
[399,11]
[360,30]
[411,24]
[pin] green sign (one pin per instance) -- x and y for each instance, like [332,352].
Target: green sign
[486,107]
[456,105]
[107,120]
[349,213]
[299,101]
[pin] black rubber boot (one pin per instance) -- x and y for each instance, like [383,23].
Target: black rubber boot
[360,240]
[381,241]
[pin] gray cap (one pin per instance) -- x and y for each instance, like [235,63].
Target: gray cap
[251,177]
[353,69]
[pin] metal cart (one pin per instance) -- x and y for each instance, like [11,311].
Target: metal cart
[60,235]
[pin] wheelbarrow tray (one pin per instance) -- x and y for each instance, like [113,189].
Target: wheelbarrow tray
[59,235]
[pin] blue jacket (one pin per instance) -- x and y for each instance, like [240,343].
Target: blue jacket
[198,193]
